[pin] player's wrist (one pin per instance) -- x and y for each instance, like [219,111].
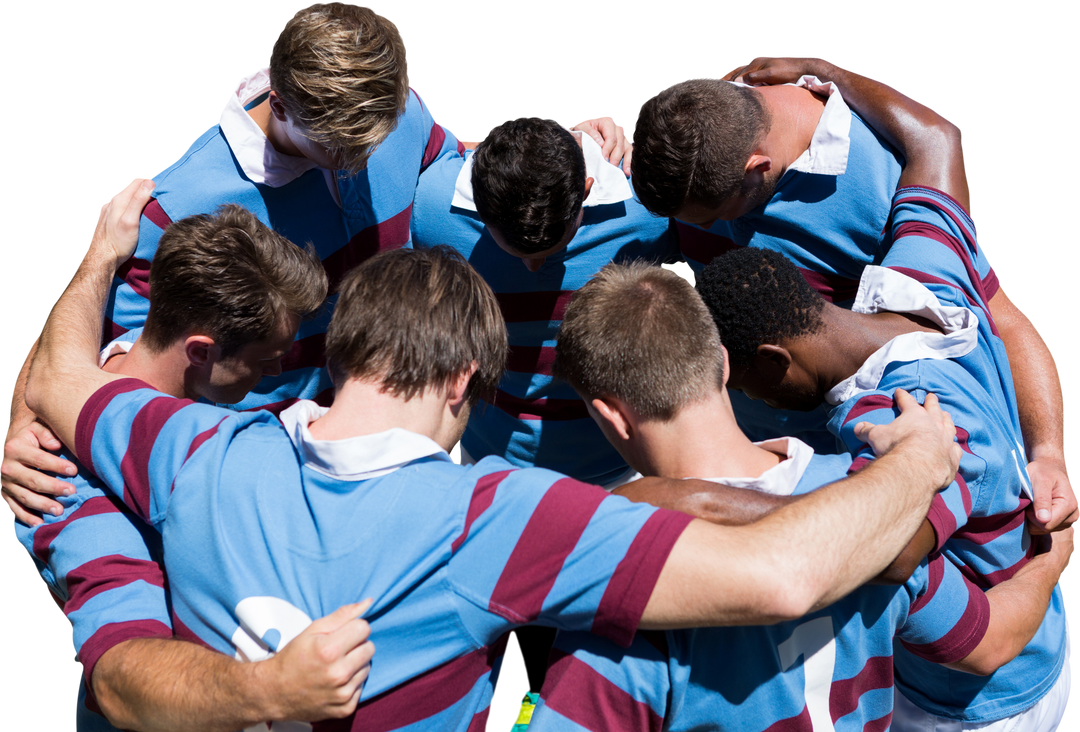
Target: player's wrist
[264,693]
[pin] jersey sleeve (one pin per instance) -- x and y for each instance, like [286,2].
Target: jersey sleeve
[594,685]
[136,440]
[129,296]
[948,616]
[537,547]
[103,567]
[933,241]
[952,506]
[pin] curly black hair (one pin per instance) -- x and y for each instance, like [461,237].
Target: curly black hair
[758,296]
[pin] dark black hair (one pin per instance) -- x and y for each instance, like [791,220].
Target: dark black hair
[528,182]
[758,296]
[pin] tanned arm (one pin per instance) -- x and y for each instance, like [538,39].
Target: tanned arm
[712,502]
[816,550]
[162,685]
[1017,607]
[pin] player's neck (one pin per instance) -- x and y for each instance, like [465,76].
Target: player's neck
[795,113]
[849,339]
[273,130]
[163,370]
[363,408]
[702,441]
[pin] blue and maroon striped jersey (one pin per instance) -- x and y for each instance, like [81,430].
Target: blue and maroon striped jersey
[979,519]
[263,533]
[102,565]
[534,418]
[347,219]
[831,669]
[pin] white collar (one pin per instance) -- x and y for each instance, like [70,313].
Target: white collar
[782,478]
[113,349]
[609,182]
[355,458]
[831,141]
[882,289]
[260,161]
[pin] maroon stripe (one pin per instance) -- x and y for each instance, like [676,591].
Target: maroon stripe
[844,695]
[44,536]
[869,404]
[479,720]
[110,332]
[531,359]
[549,537]
[965,493]
[549,409]
[631,585]
[113,634]
[136,272]
[422,697]
[832,287]
[928,279]
[91,412]
[701,246]
[107,573]
[135,467]
[526,307]
[984,529]
[881,724]
[461,147]
[800,723]
[962,437]
[435,141]
[959,216]
[201,438]
[577,691]
[156,214]
[941,520]
[383,236]
[185,633]
[305,353]
[986,581]
[858,464]
[990,286]
[963,637]
[483,495]
[936,575]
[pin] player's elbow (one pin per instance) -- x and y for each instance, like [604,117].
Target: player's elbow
[789,595]
[983,662]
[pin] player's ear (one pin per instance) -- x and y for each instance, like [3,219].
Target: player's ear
[772,362]
[615,414]
[277,107]
[588,187]
[727,364]
[458,386]
[201,351]
[757,165]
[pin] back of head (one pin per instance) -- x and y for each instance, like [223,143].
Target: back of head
[417,318]
[692,141]
[757,296]
[230,277]
[639,333]
[528,182]
[340,71]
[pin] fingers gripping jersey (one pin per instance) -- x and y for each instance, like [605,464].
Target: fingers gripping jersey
[259,537]
[979,519]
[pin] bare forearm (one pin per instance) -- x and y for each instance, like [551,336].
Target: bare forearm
[64,370]
[158,685]
[1035,378]
[713,502]
[21,415]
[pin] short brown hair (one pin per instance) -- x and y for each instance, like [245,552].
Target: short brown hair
[692,142]
[639,333]
[340,71]
[417,318]
[228,276]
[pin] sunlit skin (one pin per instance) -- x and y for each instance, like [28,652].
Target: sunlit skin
[233,377]
[289,136]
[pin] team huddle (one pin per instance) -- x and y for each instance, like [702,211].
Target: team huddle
[822,488]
